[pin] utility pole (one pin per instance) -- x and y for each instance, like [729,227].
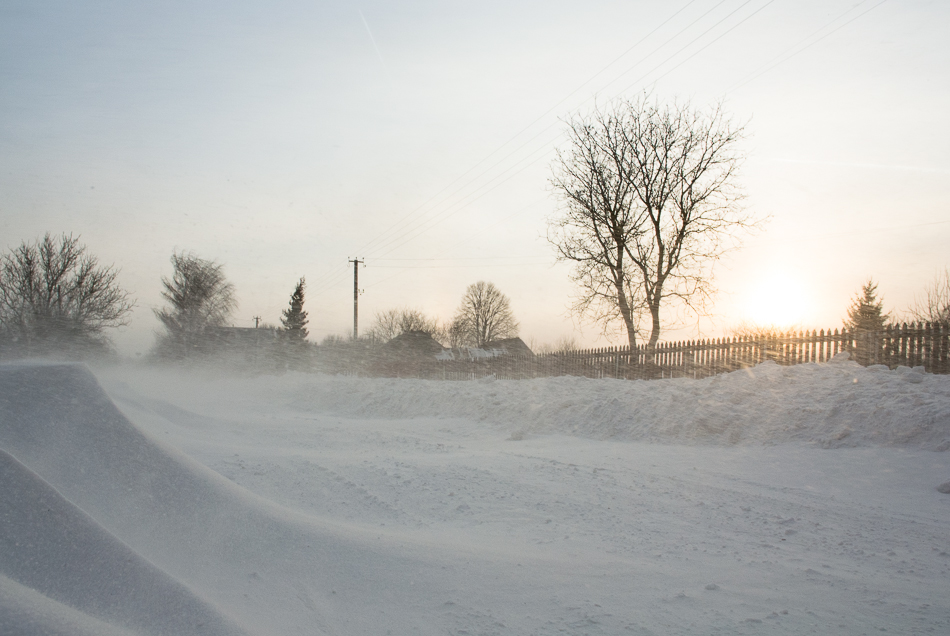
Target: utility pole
[356,295]
[257,321]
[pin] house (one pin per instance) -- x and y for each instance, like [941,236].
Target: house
[417,354]
[493,349]
[412,354]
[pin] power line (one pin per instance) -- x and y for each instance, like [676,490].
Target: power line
[481,266]
[329,280]
[418,212]
[411,233]
[369,245]
[446,214]
[785,56]
[719,37]
[428,224]
[450,248]
[716,39]
[423,225]
[455,258]
[800,240]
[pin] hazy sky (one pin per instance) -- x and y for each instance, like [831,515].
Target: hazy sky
[283,138]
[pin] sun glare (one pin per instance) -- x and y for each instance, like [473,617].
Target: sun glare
[777,300]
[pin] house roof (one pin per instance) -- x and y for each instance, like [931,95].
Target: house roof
[413,343]
[510,346]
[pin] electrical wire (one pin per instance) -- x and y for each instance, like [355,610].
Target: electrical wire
[370,245]
[719,37]
[414,232]
[785,56]
[411,233]
[422,225]
[553,124]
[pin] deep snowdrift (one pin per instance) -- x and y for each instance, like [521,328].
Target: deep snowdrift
[840,404]
[335,505]
[102,485]
[833,405]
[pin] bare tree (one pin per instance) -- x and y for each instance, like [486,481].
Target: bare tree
[649,202]
[598,221]
[385,326]
[394,322]
[935,305]
[562,345]
[455,334]
[199,298]
[483,316]
[54,296]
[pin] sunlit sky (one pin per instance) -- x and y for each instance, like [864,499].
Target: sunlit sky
[284,138]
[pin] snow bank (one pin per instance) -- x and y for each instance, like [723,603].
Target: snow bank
[235,505]
[82,579]
[104,529]
[61,570]
[832,405]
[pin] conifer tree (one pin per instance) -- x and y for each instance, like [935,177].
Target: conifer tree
[294,318]
[866,312]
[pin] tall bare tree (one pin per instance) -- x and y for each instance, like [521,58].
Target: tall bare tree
[648,203]
[935,305]
[55,297]
[483,316]
[199,298]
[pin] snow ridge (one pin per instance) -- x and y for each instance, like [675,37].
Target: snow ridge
[832,405]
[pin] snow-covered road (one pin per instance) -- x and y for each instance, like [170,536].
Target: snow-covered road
[598,536]
[303,504]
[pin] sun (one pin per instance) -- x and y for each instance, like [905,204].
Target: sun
[776,300]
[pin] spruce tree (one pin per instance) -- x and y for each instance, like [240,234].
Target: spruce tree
[866,312]
[294,318]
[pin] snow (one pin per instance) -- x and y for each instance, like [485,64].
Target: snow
[781,500]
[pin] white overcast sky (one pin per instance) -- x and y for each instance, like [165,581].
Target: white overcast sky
[283,137]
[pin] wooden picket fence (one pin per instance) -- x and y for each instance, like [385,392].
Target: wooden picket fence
[911,345]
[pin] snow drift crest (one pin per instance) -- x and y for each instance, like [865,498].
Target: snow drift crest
[838,404]
[61,570]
